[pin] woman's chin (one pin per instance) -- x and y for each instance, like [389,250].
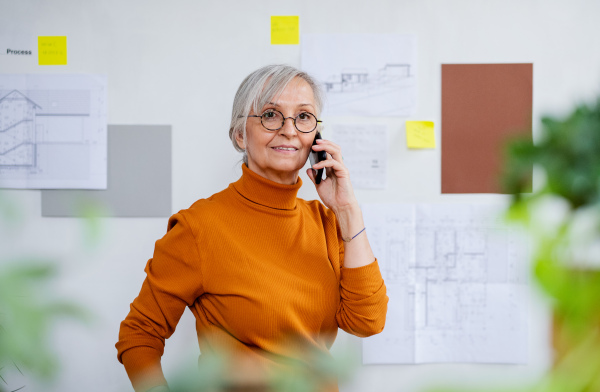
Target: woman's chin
[288,166]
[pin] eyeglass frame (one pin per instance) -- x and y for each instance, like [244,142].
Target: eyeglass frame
[285,118]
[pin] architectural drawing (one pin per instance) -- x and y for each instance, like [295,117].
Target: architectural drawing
[17,130]
[365,149]
[359,80]
[52,131]
[364,74]
[457,276]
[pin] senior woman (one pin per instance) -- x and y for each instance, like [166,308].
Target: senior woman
[269,277]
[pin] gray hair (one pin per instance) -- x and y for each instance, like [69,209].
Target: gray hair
[260,87]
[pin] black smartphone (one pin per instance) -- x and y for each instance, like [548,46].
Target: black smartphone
[316,157]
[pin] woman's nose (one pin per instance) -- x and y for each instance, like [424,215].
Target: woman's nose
[288,126]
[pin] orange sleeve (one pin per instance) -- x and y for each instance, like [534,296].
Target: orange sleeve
[363,300]
[363,296]
[173,281]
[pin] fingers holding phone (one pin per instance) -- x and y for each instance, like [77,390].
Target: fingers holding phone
[316,157]
[336,189]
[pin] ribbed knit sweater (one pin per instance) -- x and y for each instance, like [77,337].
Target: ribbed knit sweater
[262,272]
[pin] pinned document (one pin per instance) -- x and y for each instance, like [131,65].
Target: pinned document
[285,30]
[52,50]
[372,75]
[419,134]
[456,278]
[365,151]
[53,131]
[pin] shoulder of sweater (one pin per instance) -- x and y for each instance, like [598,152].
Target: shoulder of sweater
[316,207]
[205,205]
[202,209]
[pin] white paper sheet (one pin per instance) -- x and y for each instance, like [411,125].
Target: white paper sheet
[363,74]
[456,281]
[365,153]
[53,131]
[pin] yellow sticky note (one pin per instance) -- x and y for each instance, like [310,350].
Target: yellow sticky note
[419,134]
[285,30]
[52,50]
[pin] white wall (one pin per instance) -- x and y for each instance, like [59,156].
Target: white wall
[180,62]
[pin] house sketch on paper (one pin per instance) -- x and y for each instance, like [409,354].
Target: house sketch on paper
[359,80]
[17,130]
[38,119]
[53,131]
[388,90]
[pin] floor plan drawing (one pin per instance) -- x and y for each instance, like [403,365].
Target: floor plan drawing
[364,74]
[456,278]
[53,131]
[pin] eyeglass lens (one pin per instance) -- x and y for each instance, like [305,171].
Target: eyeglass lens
[274,120]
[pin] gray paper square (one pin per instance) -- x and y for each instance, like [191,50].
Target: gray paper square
[139,178]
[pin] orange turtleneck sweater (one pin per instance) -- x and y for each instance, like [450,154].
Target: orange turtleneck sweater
[262,272]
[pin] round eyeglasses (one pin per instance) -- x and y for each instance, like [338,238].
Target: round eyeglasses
[273,120]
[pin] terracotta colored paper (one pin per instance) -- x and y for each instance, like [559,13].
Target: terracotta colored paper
[419,134]
[483,105]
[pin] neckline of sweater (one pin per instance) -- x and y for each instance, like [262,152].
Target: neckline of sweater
[265,192]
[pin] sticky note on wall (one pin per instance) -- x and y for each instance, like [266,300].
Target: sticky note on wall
[285,30]
[52,50]
[419,134]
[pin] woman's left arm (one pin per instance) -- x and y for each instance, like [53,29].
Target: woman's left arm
[337,195]
[363,299]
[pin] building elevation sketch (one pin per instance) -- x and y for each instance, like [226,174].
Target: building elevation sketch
[53,131]
[364,74]
[456,280]
[17,130]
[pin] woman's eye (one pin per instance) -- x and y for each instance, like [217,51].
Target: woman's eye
[269,114]
[303,116]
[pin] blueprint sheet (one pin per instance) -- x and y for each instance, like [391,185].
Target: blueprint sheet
[365,153]
[363,74]
[456,280]
[53,131]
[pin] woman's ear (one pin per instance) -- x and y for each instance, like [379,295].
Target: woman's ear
[239,138]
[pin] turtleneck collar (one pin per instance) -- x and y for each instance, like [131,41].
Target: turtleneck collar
[266,192]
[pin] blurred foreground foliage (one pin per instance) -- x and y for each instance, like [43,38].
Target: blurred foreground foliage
[28,308]
[228,372]
[568,153]
[27,315]
[562,218]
